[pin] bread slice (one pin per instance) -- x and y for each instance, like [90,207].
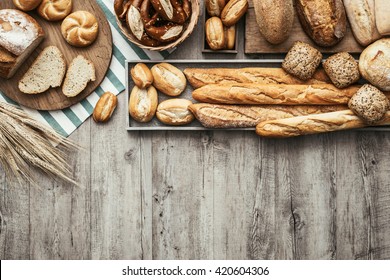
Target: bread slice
[80,72]
[48,70]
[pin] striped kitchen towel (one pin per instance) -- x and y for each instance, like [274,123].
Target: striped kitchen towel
[68,120]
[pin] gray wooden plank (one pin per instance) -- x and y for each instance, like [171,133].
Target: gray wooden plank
[182,196]
[60,213]
[14,219]
[117,219]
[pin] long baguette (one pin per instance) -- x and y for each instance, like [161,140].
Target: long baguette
[199,77]
[260,94]
[311,124]
[235,116]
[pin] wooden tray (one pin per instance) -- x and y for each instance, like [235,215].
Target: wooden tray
[255,43]
[155,124]
[99,52]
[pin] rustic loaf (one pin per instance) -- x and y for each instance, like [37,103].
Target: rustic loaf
[199,77]
[275,19]
[382,11]
[361,15]
[323,20]
[260,94]
[311,124]
[239,116]
[20,35]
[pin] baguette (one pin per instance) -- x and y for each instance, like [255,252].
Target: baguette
[238,116]
[199,77]
[260,94]
[303,125]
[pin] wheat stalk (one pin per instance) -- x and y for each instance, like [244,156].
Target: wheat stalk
[26,143]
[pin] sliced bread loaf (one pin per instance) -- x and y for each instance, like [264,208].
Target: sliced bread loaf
[48,70]
[80,72]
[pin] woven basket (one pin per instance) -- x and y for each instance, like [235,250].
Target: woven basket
[188,28]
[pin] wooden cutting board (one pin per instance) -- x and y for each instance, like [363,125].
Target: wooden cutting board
[99,53]
[255,43]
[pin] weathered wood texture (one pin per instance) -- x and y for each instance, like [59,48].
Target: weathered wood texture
[206,195]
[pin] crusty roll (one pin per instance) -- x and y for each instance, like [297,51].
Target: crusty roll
[80,29]
[260,94]
[174,112]
[55,10]
[239,116]
[230,37]
[234,11]
[27,5]
[168,79]
[275,19]
[215,7]
[141,75]
[311,124]
[382,11]
[143,103]
[323,20]
[215,33]
[361,15]
[199,77]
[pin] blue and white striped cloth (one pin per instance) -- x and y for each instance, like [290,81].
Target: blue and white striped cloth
[68,120]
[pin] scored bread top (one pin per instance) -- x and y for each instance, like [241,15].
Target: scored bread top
[18,31]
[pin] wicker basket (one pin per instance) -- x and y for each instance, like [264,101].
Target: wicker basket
[188,28]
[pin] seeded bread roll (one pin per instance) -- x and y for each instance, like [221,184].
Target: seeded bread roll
[302,60]
[342,69]
[369,103]
[239,116]
[199,77]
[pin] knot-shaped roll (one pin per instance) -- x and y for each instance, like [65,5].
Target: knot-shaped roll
[80,29]
[54,10]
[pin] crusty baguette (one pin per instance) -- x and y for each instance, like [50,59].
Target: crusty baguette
[311,124]
[199,77]
[361,15]
[261,94]
[235,116]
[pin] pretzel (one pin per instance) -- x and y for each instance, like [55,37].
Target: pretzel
[121,7]
[173,10]
[164,33]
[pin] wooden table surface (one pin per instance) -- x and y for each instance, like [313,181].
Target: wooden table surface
[205,195]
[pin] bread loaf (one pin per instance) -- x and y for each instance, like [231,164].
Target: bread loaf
[80,29]
[239,116]
[199,77]
[311,124]
[275,19]
[361,15]
[323,20]
[260,94]
[20,35]
[382,12]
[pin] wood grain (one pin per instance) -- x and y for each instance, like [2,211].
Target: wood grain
[255,42]
[99,53]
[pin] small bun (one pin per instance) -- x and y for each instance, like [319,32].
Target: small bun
[55,10]
[27,5]
[80,29]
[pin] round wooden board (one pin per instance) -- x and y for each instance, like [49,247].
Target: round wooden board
[99,53]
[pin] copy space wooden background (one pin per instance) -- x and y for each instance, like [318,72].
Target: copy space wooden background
[206,195]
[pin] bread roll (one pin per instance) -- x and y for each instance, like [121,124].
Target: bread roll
[199,77]
[230,37]
[342,69]
[143,104]
[168,79]
[141,75]
[215,7]
[215,34]
[323,20]
[239,116]
[105,107]
[275,19]
[27,5]
[233,11]
[260,94]
[174,112]
[55,10]
[382,12]
[80,29]
[361,15]
[311,124]
[374,64]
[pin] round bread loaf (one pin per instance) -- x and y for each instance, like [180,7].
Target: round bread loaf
[54,10]
[80,29]
[374,64]
[27,5]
